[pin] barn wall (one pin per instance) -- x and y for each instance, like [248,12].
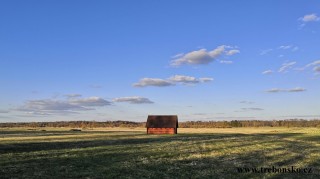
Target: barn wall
[161,131]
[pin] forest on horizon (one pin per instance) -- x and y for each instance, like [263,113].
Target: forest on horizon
[187,124]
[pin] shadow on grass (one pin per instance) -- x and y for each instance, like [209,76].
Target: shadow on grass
[36,133]
[167,156]
[109,140]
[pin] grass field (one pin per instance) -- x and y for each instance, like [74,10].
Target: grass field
[130,153]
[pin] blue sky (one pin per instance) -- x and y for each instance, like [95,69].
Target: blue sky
[123,60]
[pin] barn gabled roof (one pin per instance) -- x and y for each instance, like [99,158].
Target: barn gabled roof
[162,121]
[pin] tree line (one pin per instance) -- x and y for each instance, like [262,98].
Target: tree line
[188,124]
[251,123]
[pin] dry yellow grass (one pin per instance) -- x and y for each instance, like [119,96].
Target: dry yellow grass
[131,153]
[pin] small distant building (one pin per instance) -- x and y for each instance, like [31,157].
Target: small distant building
[162,124]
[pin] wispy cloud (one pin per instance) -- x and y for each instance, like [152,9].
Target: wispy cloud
[252,109]
[316,69]
[276,90]
[73,95]
[285,47]
[91,101]
[47,113]
[153,82]
[246,102]
[205,79]
[286,66]
[133,100]
[297,89]
[171,81]
[309,18]
[184,79]
[226,62]
[314,63]
[288,47]
[267,72]
[188,79]
[282,47]
[178,55]
[232,52]
[203,56]
[49,106]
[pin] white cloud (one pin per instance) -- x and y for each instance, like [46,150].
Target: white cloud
[232,52]
[288,47]
[184,79]
[133,100]
[264,52]
[226,61]
[285,47]
[252,109]
[286,66]
[316,69]
[173,80]
[314,64]
[202,56]
[47,113]
[196,57]
[153,82]
[73,95]
[297,89]
[267,72]
[188,79]
[309,18]
[246,102]
[282,47]
[205,79]
[91,101]
[317,62]
[218,51]
[178,55]
[49,106]
[276,90]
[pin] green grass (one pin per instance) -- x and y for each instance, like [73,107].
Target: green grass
[130,153]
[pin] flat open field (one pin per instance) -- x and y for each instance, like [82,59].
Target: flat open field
[130,153]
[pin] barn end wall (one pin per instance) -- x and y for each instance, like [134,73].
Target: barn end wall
[161,130]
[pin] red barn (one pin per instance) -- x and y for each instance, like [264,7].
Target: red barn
[162,124]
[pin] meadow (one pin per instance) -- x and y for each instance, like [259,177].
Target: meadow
[130,153]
